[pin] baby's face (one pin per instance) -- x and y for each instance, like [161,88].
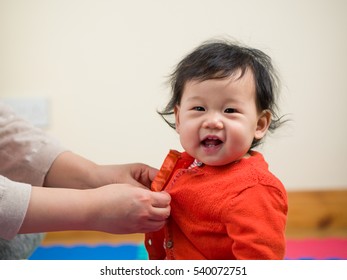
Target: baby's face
[218,119]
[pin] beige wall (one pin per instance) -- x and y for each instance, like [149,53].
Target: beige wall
[102,66]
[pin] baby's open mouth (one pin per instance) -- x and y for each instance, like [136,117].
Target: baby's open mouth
[211,142]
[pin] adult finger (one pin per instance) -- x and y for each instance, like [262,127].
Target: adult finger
[159,214]
[160,199]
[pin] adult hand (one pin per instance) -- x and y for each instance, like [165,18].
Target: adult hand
[124,208]
[137,174]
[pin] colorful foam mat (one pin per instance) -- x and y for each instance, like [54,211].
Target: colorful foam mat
[312,249]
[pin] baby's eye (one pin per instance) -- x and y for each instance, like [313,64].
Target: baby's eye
[229,110]
[198,108]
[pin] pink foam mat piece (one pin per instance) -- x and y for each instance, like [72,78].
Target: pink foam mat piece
[318,249]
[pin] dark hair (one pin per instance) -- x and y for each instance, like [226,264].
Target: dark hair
[219,59]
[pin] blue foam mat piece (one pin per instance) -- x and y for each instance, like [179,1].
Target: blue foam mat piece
[81,252]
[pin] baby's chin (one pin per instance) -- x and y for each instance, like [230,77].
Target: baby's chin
[220,161]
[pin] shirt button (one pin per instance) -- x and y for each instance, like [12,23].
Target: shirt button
[169,244]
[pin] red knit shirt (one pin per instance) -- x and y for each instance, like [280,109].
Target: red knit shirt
[236,211]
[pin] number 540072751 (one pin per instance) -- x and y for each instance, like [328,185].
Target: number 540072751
[220,270]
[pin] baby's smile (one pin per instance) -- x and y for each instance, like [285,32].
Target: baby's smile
[211,141]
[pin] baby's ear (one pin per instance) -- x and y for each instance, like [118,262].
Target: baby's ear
[263,124]
[177,118]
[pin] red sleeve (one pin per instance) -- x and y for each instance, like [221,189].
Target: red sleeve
[256,221]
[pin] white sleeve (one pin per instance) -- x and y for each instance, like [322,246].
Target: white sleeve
[26,152]
[14,201]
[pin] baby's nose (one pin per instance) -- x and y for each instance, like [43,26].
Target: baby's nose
[213,122]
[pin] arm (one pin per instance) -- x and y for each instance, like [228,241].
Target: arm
[132,209]
[256,223]
[121,209]
[78,202]
[70,170]
[28,154]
